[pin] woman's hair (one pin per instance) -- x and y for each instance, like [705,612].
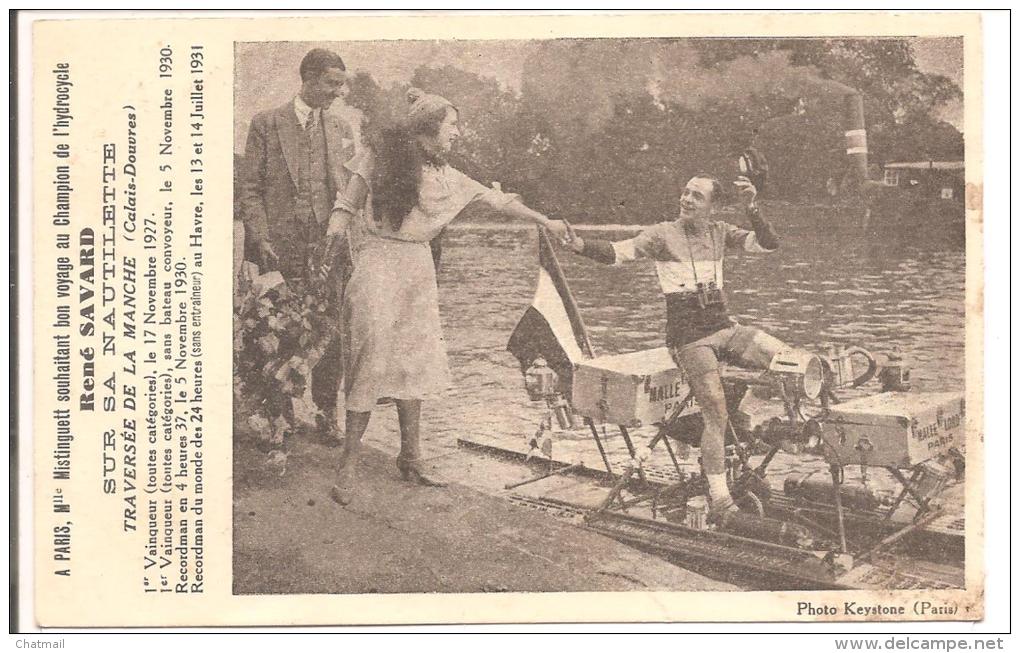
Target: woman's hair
[400,156]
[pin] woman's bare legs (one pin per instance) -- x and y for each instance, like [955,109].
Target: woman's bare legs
[409,461]
[343,491]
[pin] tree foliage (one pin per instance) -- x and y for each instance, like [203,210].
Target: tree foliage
[593,135]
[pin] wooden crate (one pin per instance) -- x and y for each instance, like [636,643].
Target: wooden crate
[635,389]
[900,429]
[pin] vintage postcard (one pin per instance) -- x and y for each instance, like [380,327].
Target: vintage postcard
[517,318]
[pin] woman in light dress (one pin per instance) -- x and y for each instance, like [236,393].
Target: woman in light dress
[392,338]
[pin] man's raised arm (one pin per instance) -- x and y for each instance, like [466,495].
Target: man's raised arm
[763,238]
[760,238]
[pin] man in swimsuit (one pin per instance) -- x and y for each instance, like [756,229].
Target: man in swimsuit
[688,254]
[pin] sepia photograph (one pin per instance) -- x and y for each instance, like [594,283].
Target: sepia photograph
[601,315]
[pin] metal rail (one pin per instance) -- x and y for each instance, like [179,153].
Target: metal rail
[755,563]
[868,525]
[750,563]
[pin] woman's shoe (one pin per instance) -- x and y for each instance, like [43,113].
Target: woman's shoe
[342,496]
[343,491]
[414,471]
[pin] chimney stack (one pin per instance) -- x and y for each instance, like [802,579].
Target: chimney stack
[856,135]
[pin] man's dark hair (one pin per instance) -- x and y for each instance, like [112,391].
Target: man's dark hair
[318,61]
[717,187]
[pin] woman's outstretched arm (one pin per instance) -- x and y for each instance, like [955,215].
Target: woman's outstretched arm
[517,209]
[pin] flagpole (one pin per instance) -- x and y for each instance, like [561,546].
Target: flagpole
[545,242]
[589,350]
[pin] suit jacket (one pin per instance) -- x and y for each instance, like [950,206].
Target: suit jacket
[268,182]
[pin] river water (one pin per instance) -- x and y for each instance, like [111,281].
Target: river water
[885,288]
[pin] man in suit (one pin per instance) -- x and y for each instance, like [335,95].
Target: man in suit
[295,165]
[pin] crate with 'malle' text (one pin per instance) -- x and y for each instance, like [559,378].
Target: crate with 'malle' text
[894,429]
[634,389]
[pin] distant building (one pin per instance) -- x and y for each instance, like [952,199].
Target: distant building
[930,180]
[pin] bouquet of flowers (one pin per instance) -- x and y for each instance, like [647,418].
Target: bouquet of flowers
[281,330]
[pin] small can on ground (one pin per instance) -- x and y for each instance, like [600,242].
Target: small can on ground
[697,513]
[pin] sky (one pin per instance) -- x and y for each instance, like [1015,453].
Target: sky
[266,73]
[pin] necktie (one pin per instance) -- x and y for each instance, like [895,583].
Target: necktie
[311,121]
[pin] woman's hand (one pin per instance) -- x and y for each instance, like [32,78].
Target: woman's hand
[564,233]
[339,219]
[558,228]
[328,254]
[572,240]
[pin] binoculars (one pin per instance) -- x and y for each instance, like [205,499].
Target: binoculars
[709,294]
